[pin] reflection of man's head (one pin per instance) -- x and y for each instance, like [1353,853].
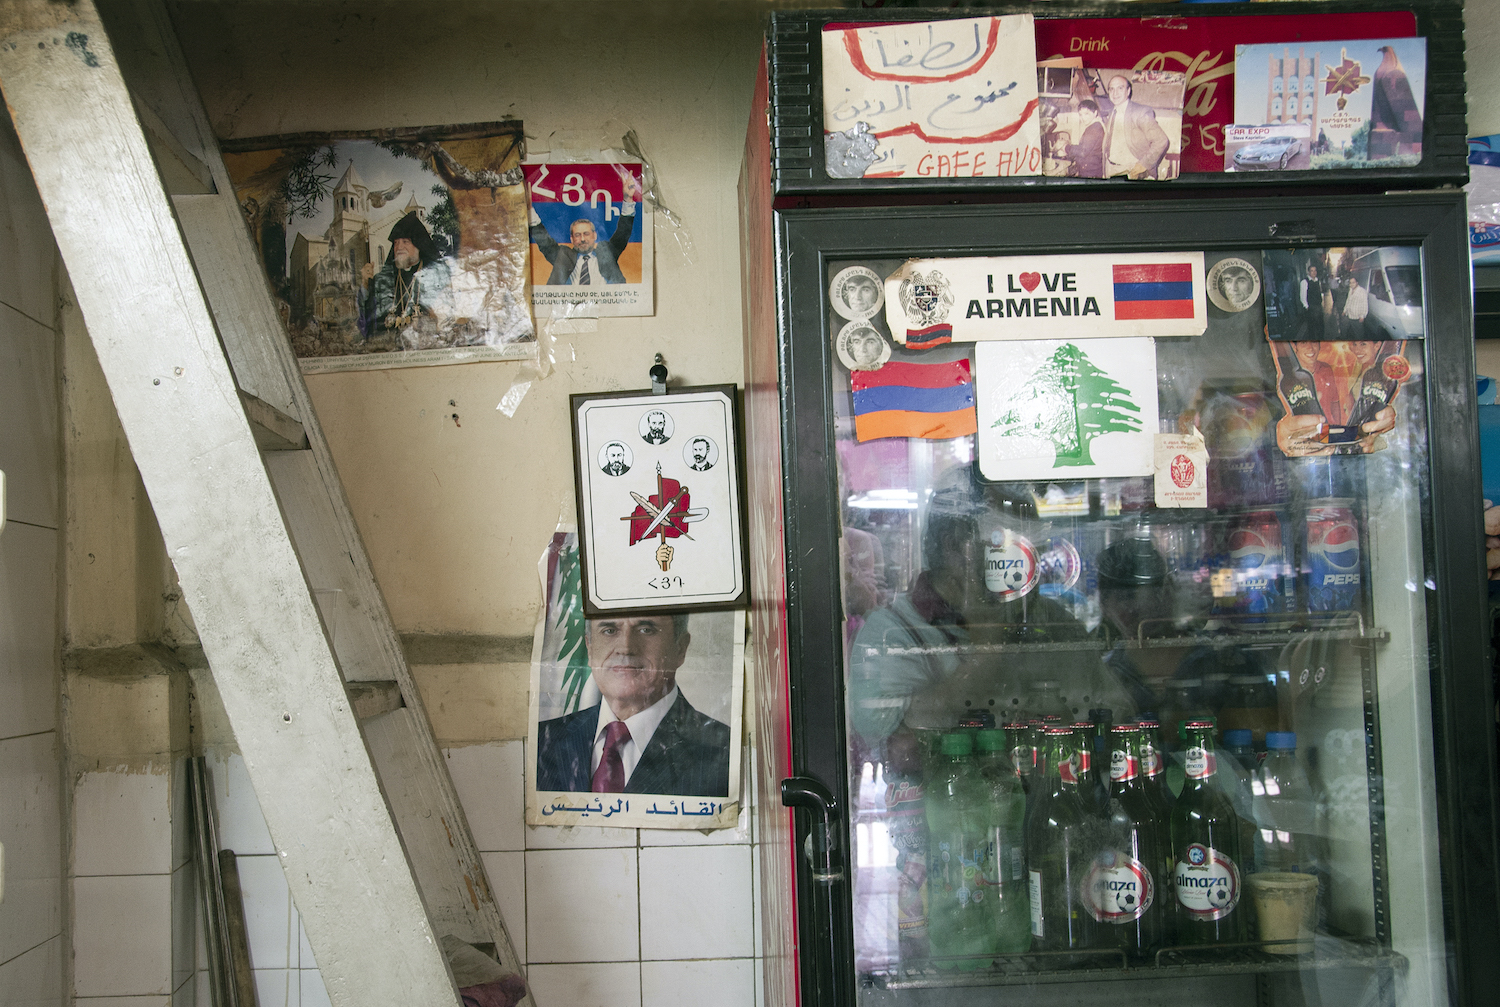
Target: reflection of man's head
[615,454]
[657,421]
[1119,90]
[635,660]
[700,449]
[1133,584]
[583,236]
[861,293]
[1307,354]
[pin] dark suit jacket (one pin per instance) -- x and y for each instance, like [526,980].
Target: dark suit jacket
[687,756]
[1143,135]
[1088,153]
[563,258]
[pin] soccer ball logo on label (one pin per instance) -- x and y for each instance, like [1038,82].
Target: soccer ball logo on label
[1117,888]
[1010,565]
[1207,882]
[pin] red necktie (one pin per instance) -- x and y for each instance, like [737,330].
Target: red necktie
[609,778]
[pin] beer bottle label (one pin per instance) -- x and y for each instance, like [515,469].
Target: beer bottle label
[1035,891]
[1117,888]
[1207,882]
[1023,757]
[1201,764]
[1068,768]
[1122,766]
[1151,763]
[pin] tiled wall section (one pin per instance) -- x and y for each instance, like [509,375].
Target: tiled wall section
[603,917]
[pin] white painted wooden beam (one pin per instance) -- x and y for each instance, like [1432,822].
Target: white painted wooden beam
[180,408]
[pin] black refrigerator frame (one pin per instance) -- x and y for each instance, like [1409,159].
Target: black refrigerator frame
[1463,703]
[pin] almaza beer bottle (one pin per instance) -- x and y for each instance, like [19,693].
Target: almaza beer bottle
[1154,766]
[1122,888]
[1206,849]
[1060,847]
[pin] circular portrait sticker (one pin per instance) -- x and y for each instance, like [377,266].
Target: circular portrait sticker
[1233,285]
[700,453]
[615,458]
[861,347]
[857,292]
[656,427]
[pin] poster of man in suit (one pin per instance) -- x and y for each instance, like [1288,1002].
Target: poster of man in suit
[635,719]
[590,231]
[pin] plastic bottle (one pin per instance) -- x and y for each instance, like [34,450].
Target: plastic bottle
[1060,848]
[906,813]
[1123,889]
[1237,764]
[1044,700]
[1007,888]
[960,924]
[1251,706]
[1206,849]
[1286,815]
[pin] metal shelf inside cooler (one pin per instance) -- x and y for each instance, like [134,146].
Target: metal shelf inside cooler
[1331,953]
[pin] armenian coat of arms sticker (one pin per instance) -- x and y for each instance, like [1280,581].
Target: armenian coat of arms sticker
[926,299]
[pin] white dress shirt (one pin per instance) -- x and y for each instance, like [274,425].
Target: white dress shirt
[642,726]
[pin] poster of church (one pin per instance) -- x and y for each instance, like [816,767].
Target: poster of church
[392,248]
[1336,105]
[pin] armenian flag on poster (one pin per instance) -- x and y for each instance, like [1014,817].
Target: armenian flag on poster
[933,401]
[929,301]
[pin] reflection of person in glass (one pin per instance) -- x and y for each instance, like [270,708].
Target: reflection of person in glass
[700,449]
[614,460]
[584,262]
[643,737]
[656,427]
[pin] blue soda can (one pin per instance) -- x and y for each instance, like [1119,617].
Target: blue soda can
[1332,557]
[1253,552]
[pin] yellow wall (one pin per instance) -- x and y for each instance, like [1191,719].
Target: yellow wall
[455,513]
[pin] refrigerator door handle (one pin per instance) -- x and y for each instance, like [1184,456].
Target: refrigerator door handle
[822,842]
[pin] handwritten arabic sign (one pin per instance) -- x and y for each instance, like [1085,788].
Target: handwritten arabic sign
[931,99]
[932,301]
[1197,46]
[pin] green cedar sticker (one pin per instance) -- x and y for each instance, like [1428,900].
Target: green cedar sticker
[1069,402]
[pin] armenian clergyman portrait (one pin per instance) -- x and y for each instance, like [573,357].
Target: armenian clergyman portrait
[643,736]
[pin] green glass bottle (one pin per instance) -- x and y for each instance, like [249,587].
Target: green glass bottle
[1006,887]
[960,855]
[1060,844]
[1206,849]
[1123,889]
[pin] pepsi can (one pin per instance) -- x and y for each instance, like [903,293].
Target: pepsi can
[1332,557]
[1253,553]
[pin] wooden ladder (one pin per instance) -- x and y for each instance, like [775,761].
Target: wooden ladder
[377,852]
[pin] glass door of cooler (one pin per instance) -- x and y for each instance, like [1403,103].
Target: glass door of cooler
[1092,738]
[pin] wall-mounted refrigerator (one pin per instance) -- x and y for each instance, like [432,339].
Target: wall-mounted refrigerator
[1053,734]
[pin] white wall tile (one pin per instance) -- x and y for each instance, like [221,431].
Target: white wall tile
[278,987]
[242,828]
[598,984]
[202,996]
[28,415]
[755,902]
[28,629]
[270,920]
[760,982]
[186,995]
[30,829]
[507,874]
[490,782]
[305,959]
[577,837]
[145,1001]
[122,935]
[26,245]
[122,822]
[692,984]
[181,811]
[695,902]
[581,906]
[184,924]
[34,979]
[314,993]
